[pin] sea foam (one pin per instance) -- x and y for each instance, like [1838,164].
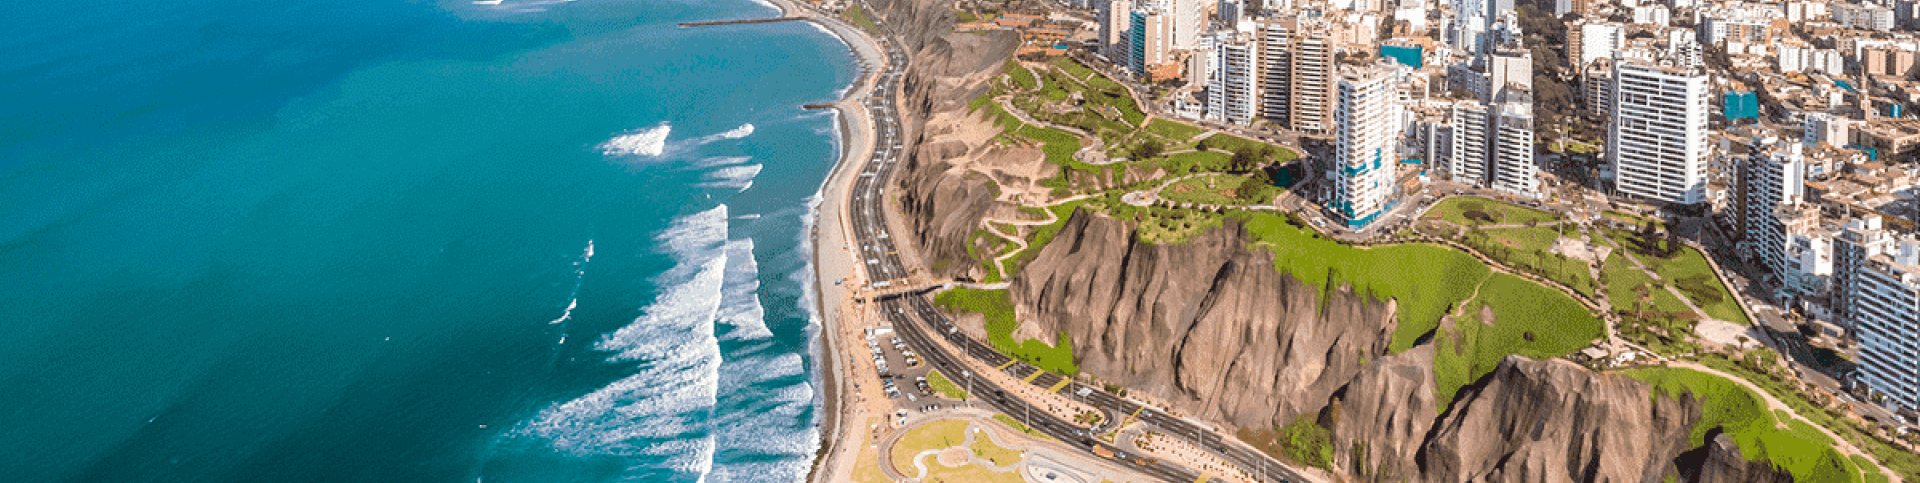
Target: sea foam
[663,410]
[738,177]
[739,132]
[740,298]
[650,142]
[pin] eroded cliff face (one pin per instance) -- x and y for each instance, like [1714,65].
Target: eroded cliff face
[1553,421]
[1207,325]
[944,202]
[1210,328]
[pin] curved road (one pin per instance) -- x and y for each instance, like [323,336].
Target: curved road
[916,320]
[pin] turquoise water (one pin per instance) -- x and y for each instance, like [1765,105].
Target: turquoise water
[408,240]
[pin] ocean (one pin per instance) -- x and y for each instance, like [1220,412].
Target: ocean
[409,241]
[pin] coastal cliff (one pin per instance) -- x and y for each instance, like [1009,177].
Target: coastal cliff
[1210,329]
[942,202]
[1207,325]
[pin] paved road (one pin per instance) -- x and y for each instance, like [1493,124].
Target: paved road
[917,321]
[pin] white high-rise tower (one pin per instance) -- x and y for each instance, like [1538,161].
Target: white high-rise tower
[1657,143]
[1365,137]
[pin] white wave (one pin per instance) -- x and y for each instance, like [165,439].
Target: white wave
[765,420]
[579,275]
[663,409]
[740,299]
[718,161]
[739,132]
[738,177]
[650,142]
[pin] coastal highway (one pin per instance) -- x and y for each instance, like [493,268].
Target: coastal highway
[918,321]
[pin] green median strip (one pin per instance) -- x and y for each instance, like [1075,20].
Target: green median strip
[1059,385]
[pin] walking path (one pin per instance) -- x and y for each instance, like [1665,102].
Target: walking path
[1001,261]
[1846,447]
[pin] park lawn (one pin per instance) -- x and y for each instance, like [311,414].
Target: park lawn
[1021,77]
[1528,319]
[1456,210]
[1196,162]
[1425,280]
[997,306]
[1174,132]
[1743,415]
[931,436]
[1624,281]
[1059,145]
[1113,94]
[1161,225]
[1213,189]
[1530,249]
[1019,426]
[1230,143]
[986,450]
[1073,67]
[859,17]
[946,387]
[1690,272]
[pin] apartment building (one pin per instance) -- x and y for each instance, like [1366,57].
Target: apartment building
[1656,143]
[1233,94]
[1771,181]
[1310,82]
[1879,275]
[1365,140]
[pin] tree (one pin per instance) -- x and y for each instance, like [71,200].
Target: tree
[1243,160]
[1148,150]
[1202,146]
[1255,186]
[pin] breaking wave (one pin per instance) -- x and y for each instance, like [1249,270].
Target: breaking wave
[641,142]
[739,177]
[740,299]
[663,410]
[654,142]
[739,132]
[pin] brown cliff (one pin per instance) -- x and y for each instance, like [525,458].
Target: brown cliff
[1207,325]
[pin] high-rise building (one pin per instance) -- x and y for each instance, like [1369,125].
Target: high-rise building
[1596,86]
[1595,40]
[1365,138]
[1116,18]
[1493,143]
[1771,181]
[1232,94]
[1863,16]
[1150,41]
[1310,85]
[1657,141]
[1276,69]
[1513,169]
[1509,65]
[1468,163]
[1877,285]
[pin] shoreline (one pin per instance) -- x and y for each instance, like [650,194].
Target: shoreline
[855,131]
